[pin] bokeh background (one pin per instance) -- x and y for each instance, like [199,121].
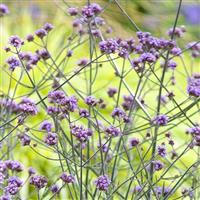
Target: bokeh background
[26,16]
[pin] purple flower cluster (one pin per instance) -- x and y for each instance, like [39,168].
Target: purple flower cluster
[111,92]
[15,41]
[195,48]
[178,31]
[38,181]
[46,125]
[51,139]
[73,11]
[24,139]
[128,102]
[91,101]
[84,113]
[14,165]
[102,182]
[41,33]
[81,133]
[30,59]
[119,114]
[158,165]
[162,150]
[13,62]
[9,105]
[43,53]
[28,106]
[195,132]
[162,191]
[123,47]
[160,120]
[67,178]
[91,10]
[59,98]
[193,87]
[3,10]
[134,142]
[14,184]
[112,131]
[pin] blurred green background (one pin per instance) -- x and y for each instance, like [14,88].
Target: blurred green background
[154,16]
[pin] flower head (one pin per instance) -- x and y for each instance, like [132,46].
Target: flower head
[38,181]
[3,10]
[13,62]
[193,87]
[160,120]
[67,178]
[28,106]
[46,125]
[102,182]
[51,138]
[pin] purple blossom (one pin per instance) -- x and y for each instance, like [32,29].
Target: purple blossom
[24,139]
[119,113]
[80,133]
[31,171]
[178,31]
[108,46]
[134,142]
[57,97]
[48,27]
[46,125]
[82,62]
[98,21]
[162,150]
[38,181]
[158,165]
[51,139]
[70,104]
[44,54]
[171,65]
[84,113]
[111,92]
[14,165]
[102,182]
[175,51]
[137,189]
[15,180]
[30,38]
[69,53]
[96,33]
[28,106]
[128,102]
[112,131]
[195,46]
[51,110]
[67,178]
[13,62]
[5,197]
[91,10]
[148,57]
[15,41]
[3,10]
[10,105]
[41,33]
[160,120]
[193,87]
[54,189]
[73,11]
[91,101]
[162,191]
[103,147]
[3,166]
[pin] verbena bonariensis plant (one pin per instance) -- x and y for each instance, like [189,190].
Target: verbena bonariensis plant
[109,125]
